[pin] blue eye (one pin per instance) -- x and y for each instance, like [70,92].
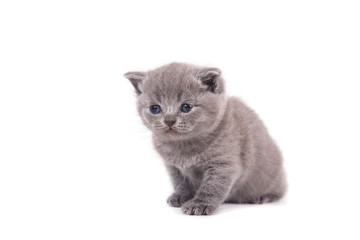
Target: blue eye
[155,109]
[186,108]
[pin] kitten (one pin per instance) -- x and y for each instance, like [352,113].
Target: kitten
[215,148]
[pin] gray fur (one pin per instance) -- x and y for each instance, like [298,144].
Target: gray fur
[218,152]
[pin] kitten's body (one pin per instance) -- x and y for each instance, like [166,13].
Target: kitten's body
[218,152]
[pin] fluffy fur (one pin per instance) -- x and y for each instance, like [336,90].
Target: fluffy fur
[218,152]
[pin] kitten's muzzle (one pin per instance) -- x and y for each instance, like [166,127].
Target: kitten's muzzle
[170,120]
[170,123]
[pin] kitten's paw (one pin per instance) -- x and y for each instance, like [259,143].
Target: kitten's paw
[267,198]
[177,200]
[198,207]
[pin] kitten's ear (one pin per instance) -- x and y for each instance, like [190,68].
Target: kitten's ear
[136,79]
[210,77]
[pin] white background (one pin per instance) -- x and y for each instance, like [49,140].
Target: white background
[76,162]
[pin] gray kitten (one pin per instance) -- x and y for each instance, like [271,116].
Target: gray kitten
[215,148]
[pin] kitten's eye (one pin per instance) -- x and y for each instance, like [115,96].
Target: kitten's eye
[155,109]
[186,108]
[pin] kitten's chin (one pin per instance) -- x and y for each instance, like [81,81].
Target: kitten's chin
[171,131]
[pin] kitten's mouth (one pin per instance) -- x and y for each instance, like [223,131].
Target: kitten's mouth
[171,130]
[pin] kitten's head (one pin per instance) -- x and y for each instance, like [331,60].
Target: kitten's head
[179,101]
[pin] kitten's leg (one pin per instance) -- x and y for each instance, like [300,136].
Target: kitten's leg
[216,185]
[184,190]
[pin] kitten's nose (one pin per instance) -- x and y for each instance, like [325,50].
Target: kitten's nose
[170,121]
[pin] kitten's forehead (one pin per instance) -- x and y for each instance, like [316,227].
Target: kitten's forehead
[172,82]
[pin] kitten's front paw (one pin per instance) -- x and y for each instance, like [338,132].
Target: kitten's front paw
[177,200]
[198,207]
